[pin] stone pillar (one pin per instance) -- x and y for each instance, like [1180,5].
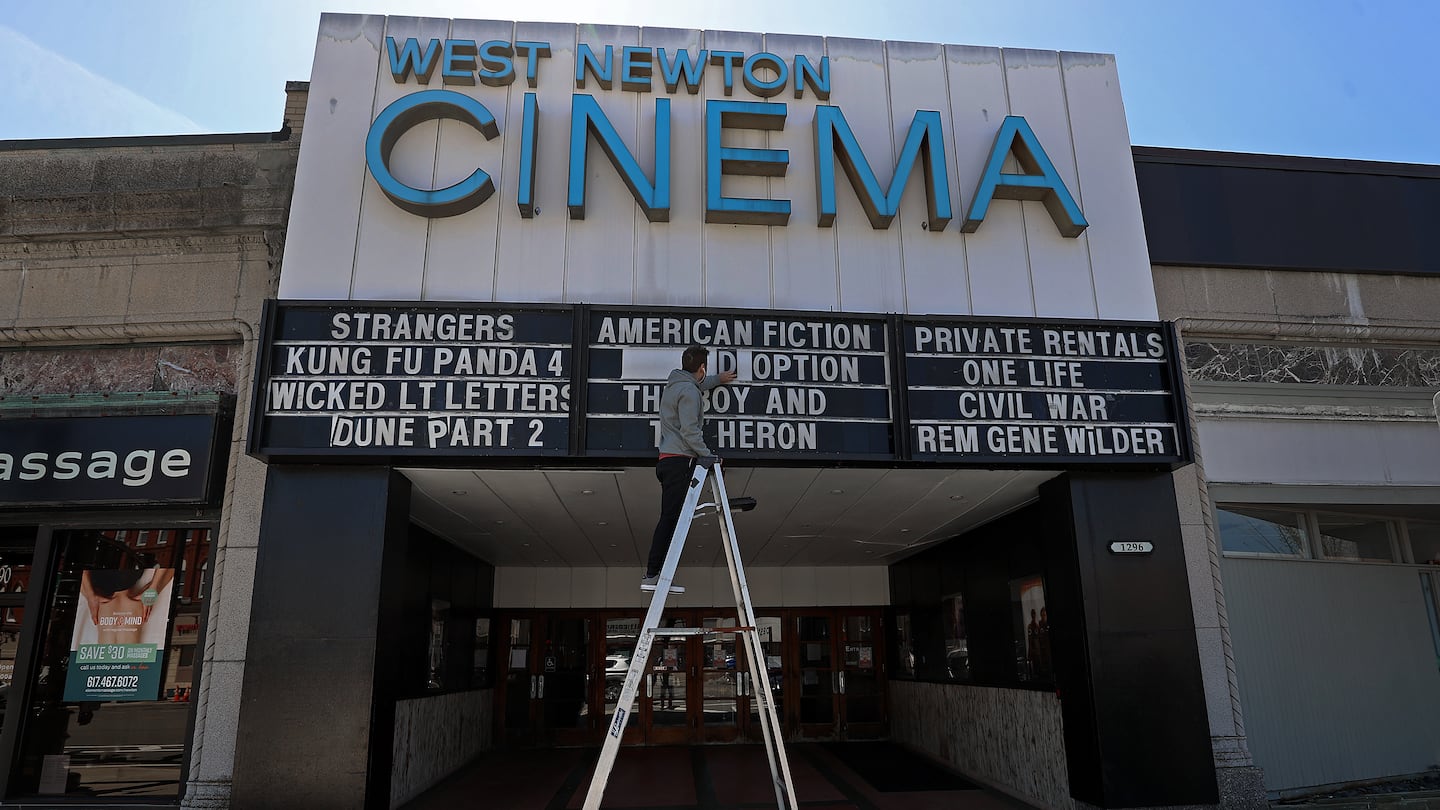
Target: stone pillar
[313,731]
[1127,664]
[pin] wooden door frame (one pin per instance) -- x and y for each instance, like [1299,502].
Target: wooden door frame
[719,734]
[591,733]
[634,734]
[503,735]
[867,731]
[689,732]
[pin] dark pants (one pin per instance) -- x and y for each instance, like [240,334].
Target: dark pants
[674,475]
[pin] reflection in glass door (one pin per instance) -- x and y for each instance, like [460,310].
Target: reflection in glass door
[563,686]
[669,682]
[817,675]
[621,636]
[720,668]
[861,694]
[771,630]
[520,687]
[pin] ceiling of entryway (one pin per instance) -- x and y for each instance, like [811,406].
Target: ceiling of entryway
[803,517]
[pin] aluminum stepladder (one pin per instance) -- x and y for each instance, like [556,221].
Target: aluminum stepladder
[708,467]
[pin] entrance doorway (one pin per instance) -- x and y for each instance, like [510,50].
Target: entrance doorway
[545,693]
[564,671]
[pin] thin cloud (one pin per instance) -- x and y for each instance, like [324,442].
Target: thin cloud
[50,96]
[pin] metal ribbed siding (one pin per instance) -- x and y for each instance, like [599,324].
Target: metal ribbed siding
[347,241]
[1336,668]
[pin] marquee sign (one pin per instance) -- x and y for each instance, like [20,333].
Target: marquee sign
[1070,392]
[419,381]
[808,383]
[497,384]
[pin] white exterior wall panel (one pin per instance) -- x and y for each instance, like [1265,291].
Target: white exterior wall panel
[1336,670]
[347,241]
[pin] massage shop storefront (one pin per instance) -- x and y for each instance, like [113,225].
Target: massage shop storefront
[107,507]
[955,404]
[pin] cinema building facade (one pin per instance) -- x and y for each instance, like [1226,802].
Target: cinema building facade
[1094,507]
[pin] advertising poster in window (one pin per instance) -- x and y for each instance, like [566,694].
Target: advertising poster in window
[957,648]
[1032,629]
[117,650]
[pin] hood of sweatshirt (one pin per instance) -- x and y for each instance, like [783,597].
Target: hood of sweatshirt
[680,376]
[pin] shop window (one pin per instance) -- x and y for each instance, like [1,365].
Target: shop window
[480,672]
[439,615]
[1424,542]
[1031,622]
[17,552]
[957,645]
[1362,539]
[1247,530]
[904,646]
[109,697]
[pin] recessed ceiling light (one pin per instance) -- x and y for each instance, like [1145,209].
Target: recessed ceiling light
[604,523]
[459,492]
[587,492]
[526,545]
[612,545]
[902,531]
[837,492]
[957,497]
[501,522]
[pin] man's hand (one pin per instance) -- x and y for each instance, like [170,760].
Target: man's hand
[727,377]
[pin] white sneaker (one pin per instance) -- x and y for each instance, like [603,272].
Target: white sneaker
[651,583]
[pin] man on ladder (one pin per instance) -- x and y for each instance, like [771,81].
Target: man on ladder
[681,442]
[684,467]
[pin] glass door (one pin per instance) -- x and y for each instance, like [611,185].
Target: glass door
[772,641]
[116,667]
[519,689]
[817,676]
[563,689]
[621,635]
[668,700]
[861,691]
[547,687]
[721,663]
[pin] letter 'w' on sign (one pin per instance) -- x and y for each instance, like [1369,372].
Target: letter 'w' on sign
[1039,180]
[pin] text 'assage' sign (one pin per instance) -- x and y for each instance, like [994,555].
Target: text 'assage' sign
[108,459]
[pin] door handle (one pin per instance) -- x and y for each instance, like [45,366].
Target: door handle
[532,687]
[842,681]
[541,679]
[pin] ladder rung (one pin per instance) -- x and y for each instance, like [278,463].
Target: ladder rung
[695,631]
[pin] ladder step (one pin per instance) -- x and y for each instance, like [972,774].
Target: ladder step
[695,631]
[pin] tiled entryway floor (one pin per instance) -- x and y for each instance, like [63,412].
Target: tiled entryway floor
[714,777]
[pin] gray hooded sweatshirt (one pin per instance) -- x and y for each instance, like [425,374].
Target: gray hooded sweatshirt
[681,419]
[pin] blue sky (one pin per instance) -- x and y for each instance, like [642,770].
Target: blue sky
[1333,78]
